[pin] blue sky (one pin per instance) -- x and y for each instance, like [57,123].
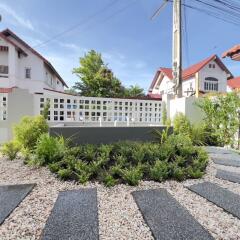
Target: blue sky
[132,45]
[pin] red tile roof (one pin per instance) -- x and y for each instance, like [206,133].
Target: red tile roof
[5,33]
[234,83]
[167,72]
[6,90]
[190,71]
[231,51]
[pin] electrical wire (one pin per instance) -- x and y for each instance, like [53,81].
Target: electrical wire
[88,19]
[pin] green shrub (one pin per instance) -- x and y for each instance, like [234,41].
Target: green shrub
[179,173]
[10,149]
[198,135]
[122,162]
[54,167]
[159,171]
[29,130]
[132,175]
[49,149]
[64,174]
[194,173]
[181,124]
[109,180]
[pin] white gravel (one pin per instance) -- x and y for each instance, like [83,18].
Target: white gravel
[119,217]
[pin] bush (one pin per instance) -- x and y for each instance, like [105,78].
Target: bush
[159,171]
[109,180]
[10,150]
[29,130]
[49,149]
[64,174]
[132,176]
[181,124]
[122,162]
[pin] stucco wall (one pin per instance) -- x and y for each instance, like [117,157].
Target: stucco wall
[20,103]
[97,135]
[187,106]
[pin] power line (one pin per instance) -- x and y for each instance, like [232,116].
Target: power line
[185,34]
[78,24]
[215,14]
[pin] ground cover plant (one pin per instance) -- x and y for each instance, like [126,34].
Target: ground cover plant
[170,156]
[122,162]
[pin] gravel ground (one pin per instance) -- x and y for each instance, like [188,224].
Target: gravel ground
[119,217]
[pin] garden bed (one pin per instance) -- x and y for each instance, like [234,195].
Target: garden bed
[119,217]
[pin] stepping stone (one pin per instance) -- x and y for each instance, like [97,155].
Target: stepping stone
[227,162]
[217,150]
[230,176]
[11,196]
[166,218]
[74,216]
[234,157]
[222,197]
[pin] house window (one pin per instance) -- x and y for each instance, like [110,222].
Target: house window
[210,65]
[3,69]
[27,72]
[211,84]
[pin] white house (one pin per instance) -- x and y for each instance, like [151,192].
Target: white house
[209,75]
[22,67]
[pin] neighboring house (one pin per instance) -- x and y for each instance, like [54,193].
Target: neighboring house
[22,67]
[234,54]
[233,84]
[209,75]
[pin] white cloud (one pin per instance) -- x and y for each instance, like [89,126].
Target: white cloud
[19,20]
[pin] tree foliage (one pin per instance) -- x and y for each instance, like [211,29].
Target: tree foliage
[97,80]
[164,114]
[221,115]
[46,109]
[134,91]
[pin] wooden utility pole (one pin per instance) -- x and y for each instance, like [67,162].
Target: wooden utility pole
[177,47]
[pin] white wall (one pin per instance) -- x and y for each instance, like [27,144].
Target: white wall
[187,106]
[17,67]
[186,86]
[165,86]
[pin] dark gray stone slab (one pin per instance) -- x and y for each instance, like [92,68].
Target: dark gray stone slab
[166,218]
[217,150]
[230,176]
[11,196]
[222,197]
[74,216]
[227,162]
[233,156]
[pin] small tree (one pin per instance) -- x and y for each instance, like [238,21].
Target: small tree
[134,91]
[182,125]
[27,132]
[96,79]
[221,116]
[46,109]
[164,114]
